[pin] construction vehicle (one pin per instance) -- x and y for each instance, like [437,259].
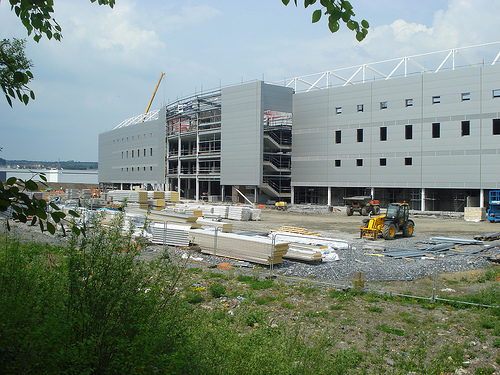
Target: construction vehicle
[281,206]
[396,220]
[362,204]
[494,210]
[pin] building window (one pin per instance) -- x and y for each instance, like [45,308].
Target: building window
[436,99]
[360,135]
[337,162]
[150,168]
[138,153]
[151,151]
[465,128]
[359,162]
[132,169]
[122,154]
[338,136]
[122,169]
[382,162]
[436,130]
[144,152]
[360,107]
[408,161]
[496,126]
[127,154]
[338,110]
[465,96]
[144,168]
[383,105]
[409,102]
[496,93]
[383,133]
[408,131]
[132,153]
[127,169]
[132,137]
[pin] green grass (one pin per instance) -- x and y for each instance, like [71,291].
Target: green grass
[385,328]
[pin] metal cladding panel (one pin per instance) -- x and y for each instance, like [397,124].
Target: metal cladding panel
[145,139]
[241,135]
[450,159]
[242,129]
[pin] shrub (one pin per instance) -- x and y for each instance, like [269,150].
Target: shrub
[217,290]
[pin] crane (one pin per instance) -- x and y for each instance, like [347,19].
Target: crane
[154,93]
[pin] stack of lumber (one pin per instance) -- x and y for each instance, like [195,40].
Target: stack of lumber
[240,213]
[327,246]
[253,249]
[220,211]
[172,196]
[142,206]
[170,234]
[306,253]
[156,204]
[165,216]
[156,195]
[298,230]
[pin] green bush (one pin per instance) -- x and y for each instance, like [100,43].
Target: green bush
[217,290]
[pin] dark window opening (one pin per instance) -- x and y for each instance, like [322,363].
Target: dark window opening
[338,110]
[383,162]
[465,96]
[436,99]
[465,128]
[359,162]
[496,93]
[408,161]
[337,162]
[436,130]
[408,131]
[409,102]
[383,105]
[361,107]
[383,133]
[360,135]
[496,126]
[338,136]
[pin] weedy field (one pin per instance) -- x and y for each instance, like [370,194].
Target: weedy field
[90,305]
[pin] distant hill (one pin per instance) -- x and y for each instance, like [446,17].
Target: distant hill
[71,164]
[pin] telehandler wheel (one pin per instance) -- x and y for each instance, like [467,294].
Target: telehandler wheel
[389,231]
[348,210]
[364,211]
[408,228]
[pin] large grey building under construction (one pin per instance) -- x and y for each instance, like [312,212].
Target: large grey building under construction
[428,136]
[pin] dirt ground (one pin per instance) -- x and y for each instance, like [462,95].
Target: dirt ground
[345,227]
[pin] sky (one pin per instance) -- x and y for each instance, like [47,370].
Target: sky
[109,61]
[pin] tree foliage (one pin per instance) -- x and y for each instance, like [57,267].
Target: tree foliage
[37,18]
[19,202]
[337,11]
[14,71]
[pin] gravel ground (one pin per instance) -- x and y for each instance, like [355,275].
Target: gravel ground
[360,255]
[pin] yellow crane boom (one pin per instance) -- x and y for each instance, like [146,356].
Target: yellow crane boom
[154,93]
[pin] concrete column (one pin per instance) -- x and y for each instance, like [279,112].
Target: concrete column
[422,199]
[222,191]
[292,196]
[329,196]
[481,198]
[372,192]
[255,192]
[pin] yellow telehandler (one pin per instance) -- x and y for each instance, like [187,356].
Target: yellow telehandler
[396,220]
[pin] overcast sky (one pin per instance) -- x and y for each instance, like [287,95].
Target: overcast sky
[107,65]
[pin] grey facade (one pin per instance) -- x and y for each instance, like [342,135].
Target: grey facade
[432,131]
[431,139]
[133,155]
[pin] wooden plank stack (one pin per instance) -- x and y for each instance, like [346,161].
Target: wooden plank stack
[253,249]
[171,234]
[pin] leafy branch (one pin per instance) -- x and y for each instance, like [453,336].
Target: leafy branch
[337,11]
[18,200]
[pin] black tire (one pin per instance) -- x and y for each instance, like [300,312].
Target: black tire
[389,231]
[408,228]
[376,210]
[348,210]
[364,211]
